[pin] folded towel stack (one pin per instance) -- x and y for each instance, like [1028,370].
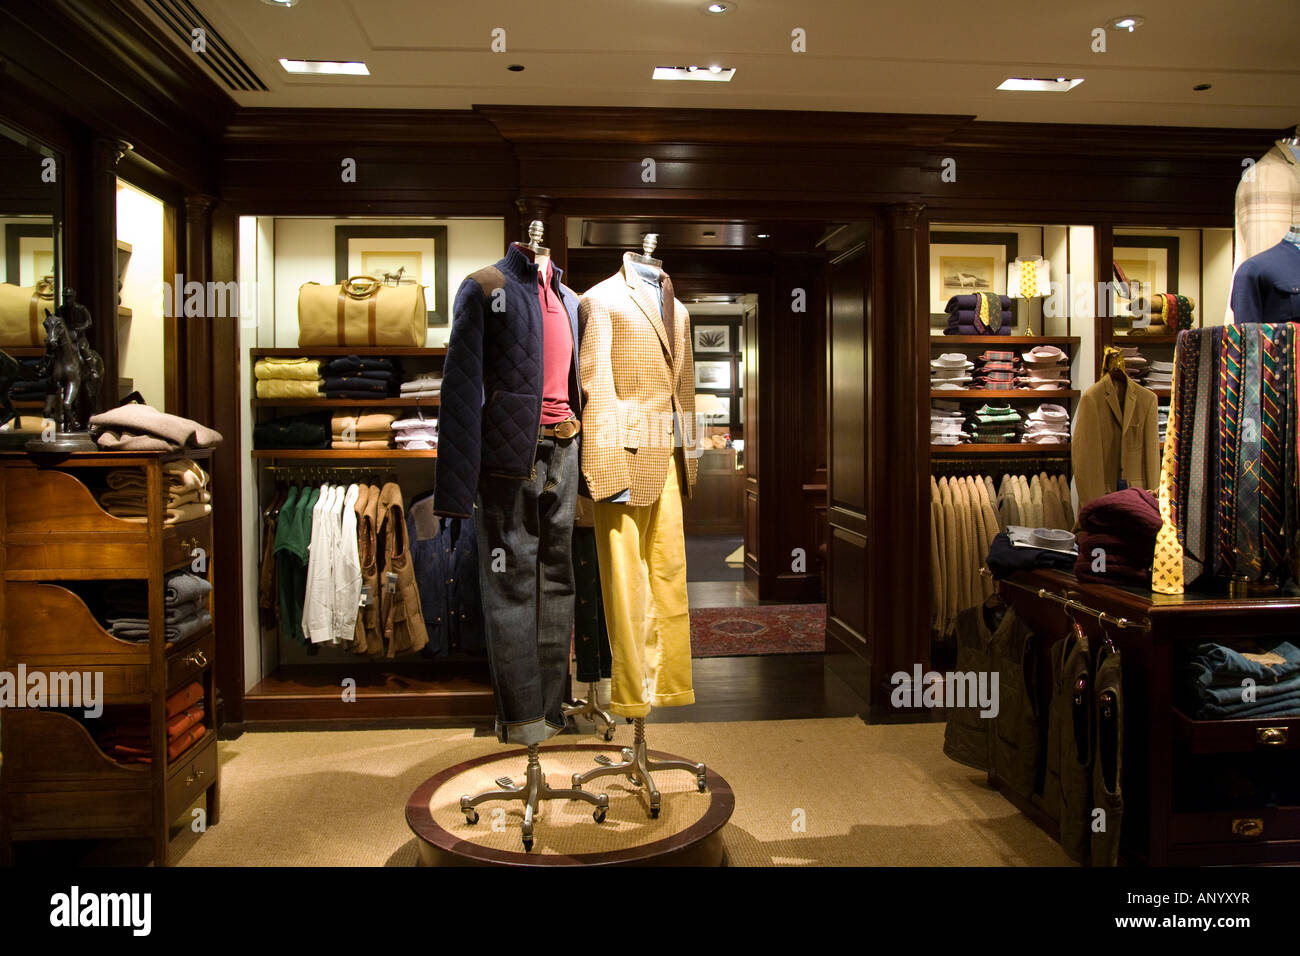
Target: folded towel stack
[979,313]
[952,370]
[185,603]
[127,739]
[416,434]
[1045,368]
[363,430]
[946,421]
[311,430]
[1254,679]
[288,378]
[994,425]
[185,487]
[1124,525]
[361,377]
[138,427]
[1048,425]
[422,387]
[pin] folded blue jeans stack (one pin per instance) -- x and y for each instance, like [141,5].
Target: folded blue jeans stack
[1260,680]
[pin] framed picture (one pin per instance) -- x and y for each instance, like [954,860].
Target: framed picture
[1151,261]
[29,253]
[713,376]
[397,255]
[713,338]
[966,262]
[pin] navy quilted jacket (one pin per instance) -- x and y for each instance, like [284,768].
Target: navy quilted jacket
[491,405]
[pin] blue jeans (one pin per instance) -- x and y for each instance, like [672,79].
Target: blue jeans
[525,532]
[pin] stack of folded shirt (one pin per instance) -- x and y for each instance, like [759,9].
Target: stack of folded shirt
[185,602]
[127,739]
[1123,524]
[33,381]
[997,371]
[311,430]
[979,313]
[994,425]
[1048,425]
[136,427]
[952,370]
[946,421]
[422,386]
[185,487]
[1255,679]
[1162,420]
[416,434]
[1045,368]
[363,430]
[1159,375]
[1135,364]
[356,376]
[288,378]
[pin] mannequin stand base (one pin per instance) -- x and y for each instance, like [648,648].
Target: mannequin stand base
[532,792]
[638,765]
[688,831]
[590,709]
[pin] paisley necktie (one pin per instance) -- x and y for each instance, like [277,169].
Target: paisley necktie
[1167,564]
[1028,279]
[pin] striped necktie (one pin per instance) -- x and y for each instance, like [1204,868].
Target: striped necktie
[1167,563]
[1250,558]
[1229,428]
[1272,477]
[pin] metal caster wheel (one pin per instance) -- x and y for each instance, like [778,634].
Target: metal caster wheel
[471,817]
[599,815]
[528,844]
[654,813]
[703,785]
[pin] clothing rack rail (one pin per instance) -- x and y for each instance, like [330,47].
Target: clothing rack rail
[1070,604]
[1023,465]
[327,472]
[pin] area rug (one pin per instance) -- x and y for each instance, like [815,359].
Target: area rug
[762,629]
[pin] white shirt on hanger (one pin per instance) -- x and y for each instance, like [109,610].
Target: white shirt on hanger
[347,570]
[318,611]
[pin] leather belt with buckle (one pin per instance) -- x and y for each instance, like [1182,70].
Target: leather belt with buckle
[562,430]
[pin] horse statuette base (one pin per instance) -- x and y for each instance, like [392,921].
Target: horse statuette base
[61,444]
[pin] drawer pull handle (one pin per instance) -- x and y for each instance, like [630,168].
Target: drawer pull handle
[200,773]
[197,659]
[1247,827]
[1272,736]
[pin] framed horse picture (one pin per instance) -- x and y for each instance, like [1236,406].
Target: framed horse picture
[965,262]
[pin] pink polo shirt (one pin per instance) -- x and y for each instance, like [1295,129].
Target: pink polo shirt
[557,352]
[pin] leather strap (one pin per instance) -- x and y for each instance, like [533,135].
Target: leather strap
[372,319]
[343,313]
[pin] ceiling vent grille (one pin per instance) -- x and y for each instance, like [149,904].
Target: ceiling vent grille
[182,18]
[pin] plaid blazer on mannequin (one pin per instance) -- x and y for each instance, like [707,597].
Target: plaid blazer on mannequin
[634,380]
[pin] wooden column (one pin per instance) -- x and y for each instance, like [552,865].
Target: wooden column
[194,333]
[95,280]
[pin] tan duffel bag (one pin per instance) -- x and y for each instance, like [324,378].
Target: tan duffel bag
[362,311]
[22,313]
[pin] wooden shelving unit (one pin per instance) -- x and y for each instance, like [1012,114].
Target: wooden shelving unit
[1014,395]
[373,454]
[1028,449]
[345,402]
[1016,343]
[337,351]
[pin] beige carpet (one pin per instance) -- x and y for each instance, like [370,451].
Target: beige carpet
[808,792]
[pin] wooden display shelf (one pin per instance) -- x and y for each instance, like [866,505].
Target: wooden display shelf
[1018,394]
[1027,449]
[402,690]
[37,403]
[1161,340]
[334,351]
[343,402]
[1028,341]
[350,453]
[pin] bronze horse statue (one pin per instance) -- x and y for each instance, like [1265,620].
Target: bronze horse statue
[76,369]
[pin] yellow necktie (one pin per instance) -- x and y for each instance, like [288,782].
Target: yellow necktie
[1028,279]
[1167,565]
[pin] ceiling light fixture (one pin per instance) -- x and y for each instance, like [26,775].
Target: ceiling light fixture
[762,235]
[329,67]
[1031,85]
[721,74]
[1125,24]
[718,7]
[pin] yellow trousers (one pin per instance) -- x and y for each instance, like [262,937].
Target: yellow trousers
[642,555]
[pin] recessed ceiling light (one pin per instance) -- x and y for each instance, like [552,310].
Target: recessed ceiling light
[1126,24]
[709,234]
[516,68]
[333,67]
[722,74]
[281,3]
[1029,85]
[718,7]
[762,235]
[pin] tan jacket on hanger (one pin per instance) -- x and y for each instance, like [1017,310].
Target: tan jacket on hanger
[952,560]
[1111,442]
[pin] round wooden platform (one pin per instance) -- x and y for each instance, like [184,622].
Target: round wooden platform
[688,831]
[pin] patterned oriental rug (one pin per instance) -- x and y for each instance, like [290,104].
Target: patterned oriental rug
[765,629]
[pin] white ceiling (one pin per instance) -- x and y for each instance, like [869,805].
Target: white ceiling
[922,56]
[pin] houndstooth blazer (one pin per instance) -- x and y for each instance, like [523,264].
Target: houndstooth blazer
[633,384]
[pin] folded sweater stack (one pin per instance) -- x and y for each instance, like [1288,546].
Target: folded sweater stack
[136,427]
[1123,524]
[185,487]
[979,313]
[33,380]
[127,740]
[363,430]
[185,603]
[311,430]
[360,377]
[422,387]
[416,434]
[288,378]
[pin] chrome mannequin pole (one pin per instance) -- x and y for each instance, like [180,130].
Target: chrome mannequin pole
[532,792]
[637,767]
[590,708]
